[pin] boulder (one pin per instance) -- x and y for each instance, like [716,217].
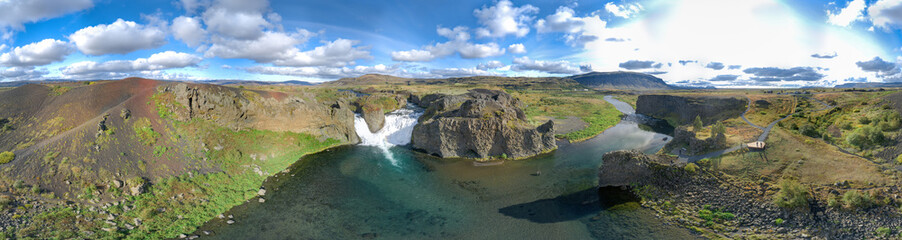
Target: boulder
[374,117]
[626,168]
[479,124]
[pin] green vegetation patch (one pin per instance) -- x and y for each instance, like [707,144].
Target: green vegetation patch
[791,195]
[144,131]
[6,157]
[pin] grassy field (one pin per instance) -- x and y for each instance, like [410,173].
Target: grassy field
[590,107]
[767,108]
[798,157]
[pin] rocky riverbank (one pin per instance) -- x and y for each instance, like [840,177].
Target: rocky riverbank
[716,206]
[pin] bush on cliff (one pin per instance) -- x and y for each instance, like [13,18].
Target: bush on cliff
[855,199]
[697,124]
[691,168]
[791,195]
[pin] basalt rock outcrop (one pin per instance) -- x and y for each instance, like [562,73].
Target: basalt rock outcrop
[479,124]
[684,137]
[374,106]
[626,168]
[240,109]
[683,109]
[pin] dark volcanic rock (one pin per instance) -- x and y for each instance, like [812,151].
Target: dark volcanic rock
[631,167]
[479,124]
[240,109]
[374,117]
[684,109]
[682,136]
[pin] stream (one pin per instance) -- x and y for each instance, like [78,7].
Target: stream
[381,189]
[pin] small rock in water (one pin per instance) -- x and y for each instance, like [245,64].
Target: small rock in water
[261,200]
[182,236]
[221,216]
[230,216]
[206,232]
[261,192]
[230,221]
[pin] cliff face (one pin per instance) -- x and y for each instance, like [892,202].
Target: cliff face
[479,124]
[683,110]
[239,109]
[630,167]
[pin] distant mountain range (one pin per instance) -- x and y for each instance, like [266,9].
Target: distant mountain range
[248,82]
[870,85]
[621,80]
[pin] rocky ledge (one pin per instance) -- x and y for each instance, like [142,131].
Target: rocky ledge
[682,194]
[679,110]
[480,124]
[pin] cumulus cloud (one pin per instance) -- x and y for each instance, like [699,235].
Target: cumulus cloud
[120,37]
[36,54]
[854,11]
[623,11]
[517,48]
[565,21]
[490,65]
[879,66]
[886,14]
[338,53]
[725,77]
[327,72]
[734,67]
[188,30]
[684,62]
[770,74]
[553,67]
[461,72]
[158,61]
[240,22]
[504,19]
[458,43]
[22,73]
[636,64]
[17,12]
[715,65]
[824,55]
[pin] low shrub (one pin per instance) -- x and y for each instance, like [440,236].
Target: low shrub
[856,199]
[791,195]
[6,157]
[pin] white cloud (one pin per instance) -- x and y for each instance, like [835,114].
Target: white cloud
[269,47]
[22,73]
[414,55]
[886,14]
[188,30]
[17,12]
[328,72]
[741,35]
[338,53]
[158,61]
[552,67]
[244,25]
[459,42]
[516,48]
[461,72]
[480,50]
[120,37]
[504,19]
[565,21]
[3,47]
[490,65]
[852,12]
[191,5]
[625,10]
[36,54]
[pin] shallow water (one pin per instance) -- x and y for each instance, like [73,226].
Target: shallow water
[356,192]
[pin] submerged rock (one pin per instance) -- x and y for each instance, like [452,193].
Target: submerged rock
[479,124]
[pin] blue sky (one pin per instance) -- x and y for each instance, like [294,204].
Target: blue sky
[749,43]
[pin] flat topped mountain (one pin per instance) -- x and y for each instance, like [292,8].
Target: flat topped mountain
[621,80]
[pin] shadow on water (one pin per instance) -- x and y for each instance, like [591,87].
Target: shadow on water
[571,206]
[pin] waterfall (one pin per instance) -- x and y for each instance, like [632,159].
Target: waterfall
[396,132]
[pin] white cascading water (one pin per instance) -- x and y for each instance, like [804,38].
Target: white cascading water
[397,131]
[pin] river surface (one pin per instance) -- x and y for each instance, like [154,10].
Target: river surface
[386,191]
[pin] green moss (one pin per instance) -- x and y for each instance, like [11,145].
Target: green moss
[6,157]
[145,132]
